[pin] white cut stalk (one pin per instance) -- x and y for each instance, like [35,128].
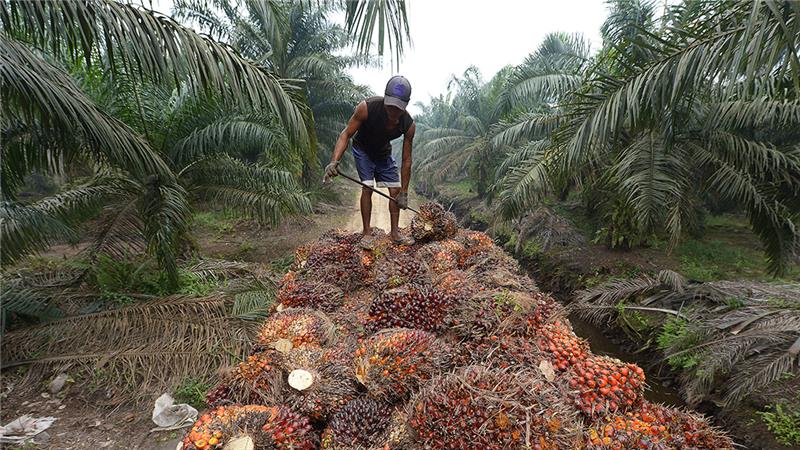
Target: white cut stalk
[301,379]
[241,443]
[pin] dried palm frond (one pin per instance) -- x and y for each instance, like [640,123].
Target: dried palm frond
[142,348]
[742,336]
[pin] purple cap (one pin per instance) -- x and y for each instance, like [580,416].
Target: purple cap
[398,92]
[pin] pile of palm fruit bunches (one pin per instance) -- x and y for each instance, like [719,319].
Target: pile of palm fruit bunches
[443,344]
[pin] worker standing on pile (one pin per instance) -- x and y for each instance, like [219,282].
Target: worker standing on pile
[375,122]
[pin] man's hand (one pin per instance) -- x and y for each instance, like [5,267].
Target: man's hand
[330,169]
[402,200]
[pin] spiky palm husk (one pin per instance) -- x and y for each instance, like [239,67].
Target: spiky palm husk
[336,259]
[489,313]
[301,326]
[255,381]
[457,285]
[476,407]
[441,256]
[359,424]
[309,294]
[421,309]
[473,243]
[433,223]
[495,269]
[392,364]
[333,381]
[401,270]
[269,427]
[655,426]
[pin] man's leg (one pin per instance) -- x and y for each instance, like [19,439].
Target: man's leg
[394,213]
[366,209]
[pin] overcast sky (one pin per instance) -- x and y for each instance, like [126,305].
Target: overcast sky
[450,35]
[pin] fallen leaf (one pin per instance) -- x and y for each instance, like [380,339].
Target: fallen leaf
[547,370]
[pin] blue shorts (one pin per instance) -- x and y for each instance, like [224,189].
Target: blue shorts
[381,173]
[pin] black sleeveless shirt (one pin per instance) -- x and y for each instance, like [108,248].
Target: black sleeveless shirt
[372,137]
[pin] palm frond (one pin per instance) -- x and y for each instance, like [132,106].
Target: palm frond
[260,191]
[47,95]
[34,227]
[145,348]
[137,41]
[390,18]
[525,184]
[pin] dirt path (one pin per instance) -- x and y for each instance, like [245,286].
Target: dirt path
[380,212]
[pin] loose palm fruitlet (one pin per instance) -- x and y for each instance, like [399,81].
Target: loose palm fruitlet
[267,427]
[605,385]
[303,327]
[253,381]
[310,294]
[433,223]
[359,424]
[393,363]
[423,309]
[401,270]
[476,407]
[655,426]
[564,348]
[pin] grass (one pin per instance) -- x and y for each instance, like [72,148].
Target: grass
[220,222]
[709,260]
[785,425]
[675,334]
[192,391]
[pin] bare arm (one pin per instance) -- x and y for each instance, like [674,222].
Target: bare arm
[358,117]
[405,168]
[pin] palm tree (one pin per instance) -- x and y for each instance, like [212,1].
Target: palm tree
[663,120]
[455,134]
[53,122]
[294,42]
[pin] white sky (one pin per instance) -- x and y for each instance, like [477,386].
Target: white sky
[450,35]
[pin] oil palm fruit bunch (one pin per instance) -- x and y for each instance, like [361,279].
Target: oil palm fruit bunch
[442,256]
[499,351]
[263,427]
[433,223]
[300,326]
[337,262]
[253,381]
[602,385]
[547,310]
[393,363]
[296,293]
[401,270]
[476,407]
[654,426]
[562,346]
[289,430]
[457,285]
[473,243]
[329,385]
[361,423]
[483,314]
[422,309]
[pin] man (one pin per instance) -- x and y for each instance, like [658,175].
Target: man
[375,122]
